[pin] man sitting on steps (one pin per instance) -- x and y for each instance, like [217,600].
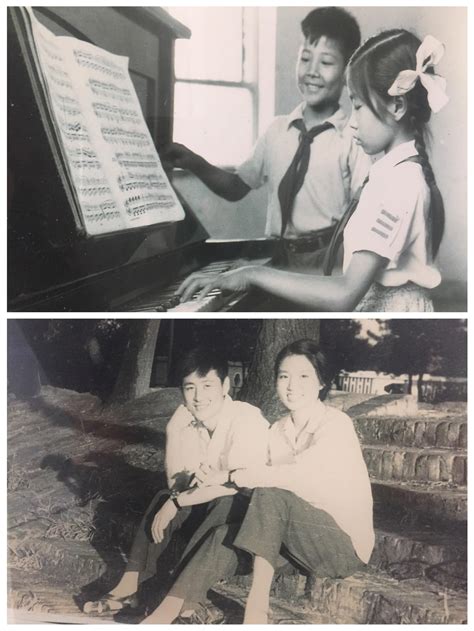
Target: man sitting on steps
[207,437]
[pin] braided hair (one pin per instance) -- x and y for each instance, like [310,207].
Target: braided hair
[371,71]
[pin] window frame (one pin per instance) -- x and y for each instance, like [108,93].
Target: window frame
[256,60]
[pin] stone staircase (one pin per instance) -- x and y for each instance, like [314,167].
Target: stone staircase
[417,572]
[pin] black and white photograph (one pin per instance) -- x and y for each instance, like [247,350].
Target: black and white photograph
[246,159]
[237,471]
[236,317]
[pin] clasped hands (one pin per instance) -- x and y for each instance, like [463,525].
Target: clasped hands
[205,476]
[242,478]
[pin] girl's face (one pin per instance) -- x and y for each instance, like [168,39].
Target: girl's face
[298,384]
[370,132]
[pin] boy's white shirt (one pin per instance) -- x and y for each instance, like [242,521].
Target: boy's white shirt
[240,440]
[392,221]
[336,171]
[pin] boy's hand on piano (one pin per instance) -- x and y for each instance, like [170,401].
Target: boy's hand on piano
[239,279]
[176,155]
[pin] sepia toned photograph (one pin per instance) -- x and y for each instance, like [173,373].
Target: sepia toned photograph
[242,159]
[237,471]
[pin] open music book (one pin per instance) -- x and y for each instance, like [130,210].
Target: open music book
[100,137]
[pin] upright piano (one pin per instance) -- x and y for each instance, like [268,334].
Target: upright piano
[53,267]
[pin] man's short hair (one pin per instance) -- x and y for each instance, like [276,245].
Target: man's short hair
[335,23]
[202,360]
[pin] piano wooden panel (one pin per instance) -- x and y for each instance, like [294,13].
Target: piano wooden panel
[51,267]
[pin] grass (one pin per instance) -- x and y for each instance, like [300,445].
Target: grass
[17,477]
[24,558]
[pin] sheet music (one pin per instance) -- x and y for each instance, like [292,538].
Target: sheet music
[113,162]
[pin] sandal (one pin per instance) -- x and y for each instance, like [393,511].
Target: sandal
[109,604]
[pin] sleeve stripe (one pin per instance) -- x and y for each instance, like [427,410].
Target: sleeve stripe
[389,215]
[379,232]
[384,224]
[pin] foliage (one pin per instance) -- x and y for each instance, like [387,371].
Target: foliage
[236,339]
[415,346]
[340,339]
[82,355]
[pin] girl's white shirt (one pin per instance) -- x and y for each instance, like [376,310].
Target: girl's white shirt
[392,220]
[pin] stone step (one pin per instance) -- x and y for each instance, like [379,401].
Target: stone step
[412,432]
[405,552]
[368,597]
[413,464]
[440,505]
[414,554]
[373,598]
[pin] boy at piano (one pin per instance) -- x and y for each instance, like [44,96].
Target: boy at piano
[307,159]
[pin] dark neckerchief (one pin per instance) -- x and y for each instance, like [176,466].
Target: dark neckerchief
[293,179]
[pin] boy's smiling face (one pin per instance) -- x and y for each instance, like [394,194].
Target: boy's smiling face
[204,396]
[320,72]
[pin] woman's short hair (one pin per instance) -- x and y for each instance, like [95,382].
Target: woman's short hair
[315,355]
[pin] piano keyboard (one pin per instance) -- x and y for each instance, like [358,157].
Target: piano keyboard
[166,299]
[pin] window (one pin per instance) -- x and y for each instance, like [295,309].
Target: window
[220,101]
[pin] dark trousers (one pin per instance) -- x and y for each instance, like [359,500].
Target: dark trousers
[210,555]
[306,535]
[197,521]
[277,525]
[145,553]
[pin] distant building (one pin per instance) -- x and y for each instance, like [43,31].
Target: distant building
[433,388]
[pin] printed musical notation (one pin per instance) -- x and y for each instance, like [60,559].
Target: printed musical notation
[113,164]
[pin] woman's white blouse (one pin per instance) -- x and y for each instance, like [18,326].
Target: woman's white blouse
[392,220]
[324,466]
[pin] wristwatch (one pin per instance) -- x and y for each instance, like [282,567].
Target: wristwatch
[174,498]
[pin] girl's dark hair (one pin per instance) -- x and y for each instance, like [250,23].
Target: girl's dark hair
[371,71]
[335,23]
[315,356]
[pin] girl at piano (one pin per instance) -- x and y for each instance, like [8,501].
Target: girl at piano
[393,232]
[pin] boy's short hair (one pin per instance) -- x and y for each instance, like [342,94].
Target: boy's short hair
[335,23]
[201,360]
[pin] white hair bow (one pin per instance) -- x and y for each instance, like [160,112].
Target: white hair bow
[428,54]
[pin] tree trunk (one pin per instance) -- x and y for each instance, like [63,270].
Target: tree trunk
[410,383]
[23,369]
[419,383]
[259,388]
[134,377]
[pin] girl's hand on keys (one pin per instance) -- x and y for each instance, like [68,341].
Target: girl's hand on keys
[239,279]
[192,284]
